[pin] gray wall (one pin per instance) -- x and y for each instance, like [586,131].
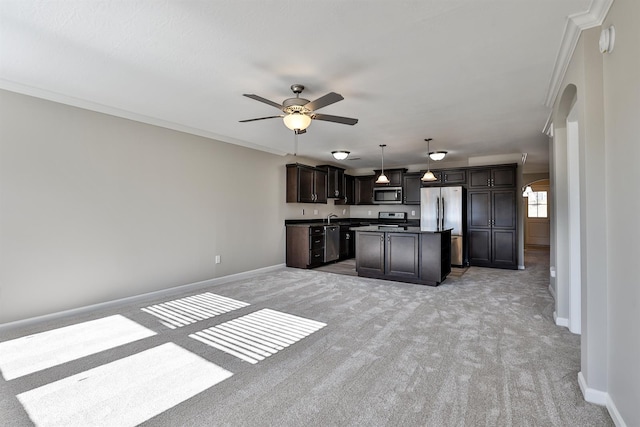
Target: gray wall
[621,77]
[608,100]
[96,208]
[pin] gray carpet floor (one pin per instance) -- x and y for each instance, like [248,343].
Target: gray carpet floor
[480,349]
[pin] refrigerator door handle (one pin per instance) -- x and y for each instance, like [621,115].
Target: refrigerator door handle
[442,218]
[437,212]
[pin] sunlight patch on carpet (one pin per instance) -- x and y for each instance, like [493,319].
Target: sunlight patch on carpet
[185,311]
[258,335]
[125,392]
[33,353]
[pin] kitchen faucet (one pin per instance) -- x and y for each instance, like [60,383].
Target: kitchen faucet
[331,215]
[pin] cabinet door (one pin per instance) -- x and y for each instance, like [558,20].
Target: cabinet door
[454,176]
[320,186]
[349,190]
[503,208]
[503,248]
[347,242]
[479,245]
[503,177]
[306,185]
[370,252]
[479,209]
[479,178]
[402,255]
[411,188]
[335,181]
[364,190]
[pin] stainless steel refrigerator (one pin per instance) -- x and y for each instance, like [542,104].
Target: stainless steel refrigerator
[442,208]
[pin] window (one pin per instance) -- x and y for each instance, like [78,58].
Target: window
[537,205]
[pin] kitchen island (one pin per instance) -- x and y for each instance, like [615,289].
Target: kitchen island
[403,253]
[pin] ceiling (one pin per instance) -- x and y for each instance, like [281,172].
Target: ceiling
[472,75]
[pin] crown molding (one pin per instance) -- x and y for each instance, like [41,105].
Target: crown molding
[117,112]
[573,28]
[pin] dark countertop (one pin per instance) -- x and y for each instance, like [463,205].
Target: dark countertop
[341,221]
[400,229]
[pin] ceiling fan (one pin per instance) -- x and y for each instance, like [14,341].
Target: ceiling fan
[298,112]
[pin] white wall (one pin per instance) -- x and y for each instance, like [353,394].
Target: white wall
[608,102]
[95,208]
[621,77]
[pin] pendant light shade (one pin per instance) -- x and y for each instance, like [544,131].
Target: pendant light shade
[340,154]
[428,175]
[527,191]
[382,179]
[297,121]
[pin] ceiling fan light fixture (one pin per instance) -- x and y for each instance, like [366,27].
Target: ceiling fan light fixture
[437,155]
[340,154]
[296,121]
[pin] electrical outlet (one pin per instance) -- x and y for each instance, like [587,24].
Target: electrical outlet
[413,213]
[217,259]
[369,213]
[344,211]
[315,211]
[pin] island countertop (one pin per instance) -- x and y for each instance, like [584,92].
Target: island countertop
[398,229]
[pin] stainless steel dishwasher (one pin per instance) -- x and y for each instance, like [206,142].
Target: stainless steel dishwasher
[331,242]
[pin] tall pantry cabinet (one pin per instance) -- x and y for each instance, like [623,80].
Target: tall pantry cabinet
[492,217]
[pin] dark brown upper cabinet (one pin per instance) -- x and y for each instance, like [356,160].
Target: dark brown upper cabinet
[490,177]
[447,177]
[394,175]
[364,190]
[335,181]
[306,184]
[411,188]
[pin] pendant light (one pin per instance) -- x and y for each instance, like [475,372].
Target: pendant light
[382,179]
[428,175]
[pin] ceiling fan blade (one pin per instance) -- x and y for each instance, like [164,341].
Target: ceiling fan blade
[261,99]
[260,118]
[323,101]
[335,119]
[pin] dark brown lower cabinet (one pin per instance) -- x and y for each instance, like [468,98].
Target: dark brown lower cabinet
[347,242]
[423,258]
[305,246]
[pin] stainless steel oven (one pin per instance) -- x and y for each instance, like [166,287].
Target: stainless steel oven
[387,195]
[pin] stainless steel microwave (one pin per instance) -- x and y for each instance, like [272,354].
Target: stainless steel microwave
[387,195]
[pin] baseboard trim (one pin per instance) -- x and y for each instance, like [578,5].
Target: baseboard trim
[560,321]
[613,412]
[133,299]
[521,267]
[552,292]
[591,395]
[601,398]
